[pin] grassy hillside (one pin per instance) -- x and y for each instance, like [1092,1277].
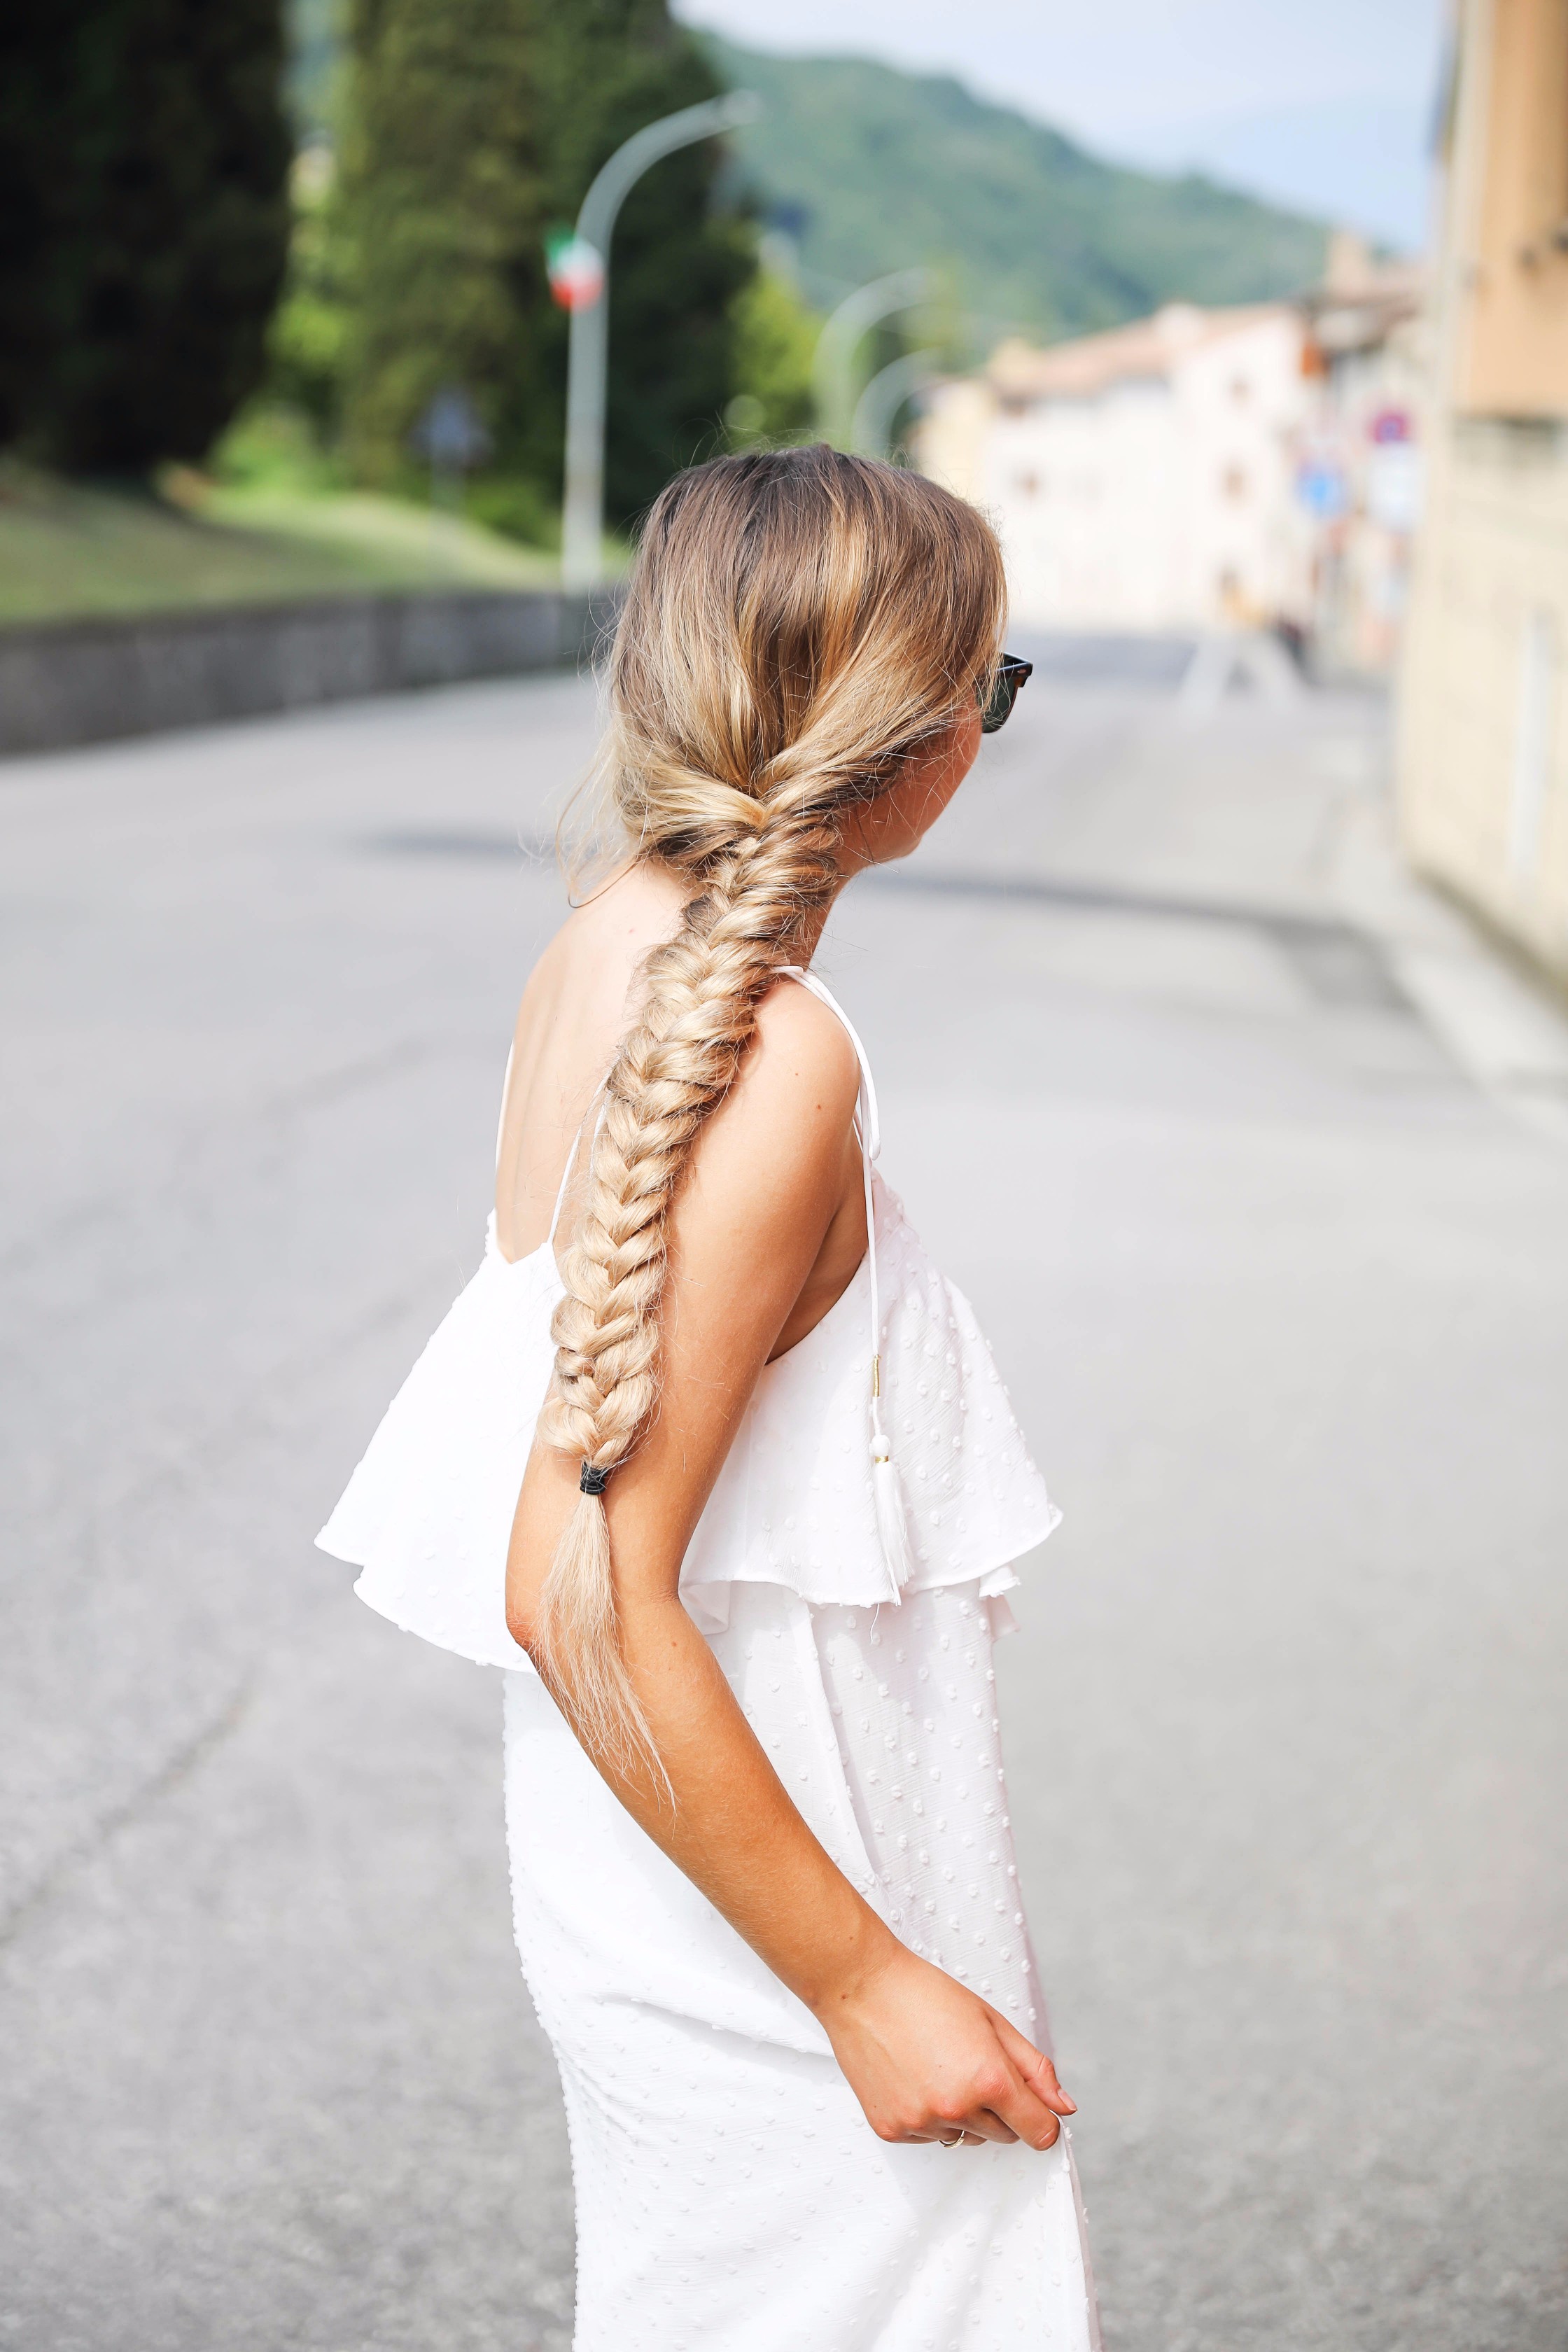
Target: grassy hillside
[70,551]
[879,170]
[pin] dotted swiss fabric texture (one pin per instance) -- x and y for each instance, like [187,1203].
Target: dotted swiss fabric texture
[912,1699]
[428,1514]
[730,2194]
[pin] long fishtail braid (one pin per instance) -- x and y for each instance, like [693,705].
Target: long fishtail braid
[700,1009]
[797,624]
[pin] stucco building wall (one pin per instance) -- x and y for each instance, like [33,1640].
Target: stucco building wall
[1483,741]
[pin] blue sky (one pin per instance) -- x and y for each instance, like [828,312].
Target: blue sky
[1327,107]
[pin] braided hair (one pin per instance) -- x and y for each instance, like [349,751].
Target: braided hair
[798,624]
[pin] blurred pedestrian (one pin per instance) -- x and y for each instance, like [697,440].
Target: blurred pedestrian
[714,1448]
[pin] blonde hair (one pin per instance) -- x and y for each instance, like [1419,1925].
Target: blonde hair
[798,622]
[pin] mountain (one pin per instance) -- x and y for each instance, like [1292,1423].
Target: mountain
[873,170]
[1365,162]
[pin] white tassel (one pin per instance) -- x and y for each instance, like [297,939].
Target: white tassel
[892,1521]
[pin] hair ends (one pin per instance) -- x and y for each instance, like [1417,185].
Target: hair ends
[576,1646]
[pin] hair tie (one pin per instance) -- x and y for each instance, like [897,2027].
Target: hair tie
[591,1480]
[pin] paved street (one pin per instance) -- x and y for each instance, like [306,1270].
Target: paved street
[1278,1278]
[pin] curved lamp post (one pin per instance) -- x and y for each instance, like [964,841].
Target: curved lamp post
[832,377]
[871,432]
[585,278]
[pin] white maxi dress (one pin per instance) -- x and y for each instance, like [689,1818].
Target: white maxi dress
[730,2196]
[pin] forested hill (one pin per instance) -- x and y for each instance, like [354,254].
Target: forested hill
[880,169]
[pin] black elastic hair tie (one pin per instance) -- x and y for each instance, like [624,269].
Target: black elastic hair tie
[591,1480]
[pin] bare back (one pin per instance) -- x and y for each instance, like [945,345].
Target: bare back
[576,1008]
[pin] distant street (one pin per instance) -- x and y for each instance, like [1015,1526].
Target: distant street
[1282,1295]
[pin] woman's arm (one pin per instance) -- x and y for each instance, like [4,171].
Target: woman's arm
[773,1170]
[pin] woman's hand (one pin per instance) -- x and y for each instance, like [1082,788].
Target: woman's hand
[928,2060]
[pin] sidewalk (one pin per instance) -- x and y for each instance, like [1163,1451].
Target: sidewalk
[1504,1027]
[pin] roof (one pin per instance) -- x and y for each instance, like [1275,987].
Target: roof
[1148,347]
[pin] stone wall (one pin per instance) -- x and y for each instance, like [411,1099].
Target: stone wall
[87,681]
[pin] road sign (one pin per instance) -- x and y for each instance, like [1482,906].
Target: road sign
[576,269]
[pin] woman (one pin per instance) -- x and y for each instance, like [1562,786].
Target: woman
[713,1447]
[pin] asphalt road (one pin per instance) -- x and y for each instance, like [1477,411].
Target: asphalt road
[1281,1296]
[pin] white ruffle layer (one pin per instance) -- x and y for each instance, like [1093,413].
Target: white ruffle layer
[428,1514]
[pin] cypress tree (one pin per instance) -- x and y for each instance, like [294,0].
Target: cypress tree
[143,223]
[474,126]
[607,66]
[440,213]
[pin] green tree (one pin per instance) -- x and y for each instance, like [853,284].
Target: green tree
[440,216]
[775,345]
[310,330]
[681,252]
[474,127]
[143,223]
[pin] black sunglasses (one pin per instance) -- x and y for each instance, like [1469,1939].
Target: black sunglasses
[1012,676]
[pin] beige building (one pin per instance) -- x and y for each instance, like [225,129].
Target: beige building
[1141,478]
[1361,461]
[1483,754]
[1208,469]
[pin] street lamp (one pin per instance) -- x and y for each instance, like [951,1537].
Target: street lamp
[579,274]
[833,376]
[871,433]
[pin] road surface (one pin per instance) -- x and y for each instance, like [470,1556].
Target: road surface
[1281,1295]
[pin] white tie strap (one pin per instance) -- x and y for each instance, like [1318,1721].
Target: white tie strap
[892,1515]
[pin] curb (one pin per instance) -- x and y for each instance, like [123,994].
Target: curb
[1508,1033]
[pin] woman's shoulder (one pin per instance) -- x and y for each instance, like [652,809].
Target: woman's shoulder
[785,1118]
[799,1038]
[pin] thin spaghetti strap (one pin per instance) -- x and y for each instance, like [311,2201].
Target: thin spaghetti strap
[871,1133]
[505,1090]
[891,1523]
[576,1139]
[572,1158]
[869,1136]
